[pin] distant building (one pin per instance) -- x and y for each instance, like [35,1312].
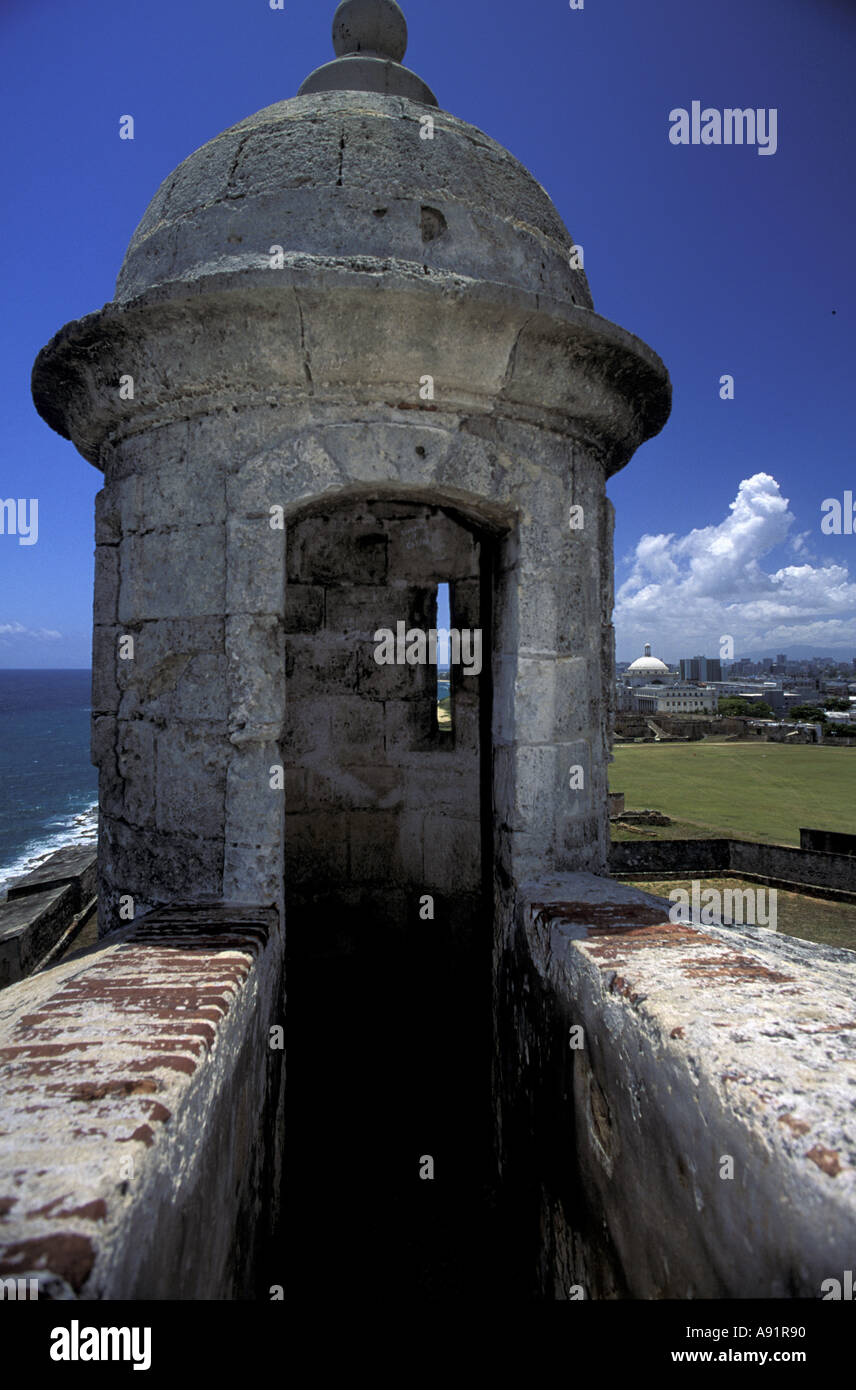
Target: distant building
[675,699]
[701,668]
[649,668]
[772,697]
[793,697]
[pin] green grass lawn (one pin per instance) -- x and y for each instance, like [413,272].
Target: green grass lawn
[751,791]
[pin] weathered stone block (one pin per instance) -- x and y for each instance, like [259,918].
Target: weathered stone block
[540,781]
[390,682]
[201,691]
[535,700]
[350,788]
[357,732]
[315,670]
[452,854]
[360,610]
[531,621]
[410,726]
[295,790]
[467,464]
[322,551]
[105,606]
[176,574]
[409,452]
[102,738]
[304,608]
[108,526]
[154,868]
[466,604]
[453,789]
[105,690]
[174,676]
[251,872]
[127,491]
[306,733]
[316,847]
[576,696]
[466,726]
[254,807]
[135,761]
[255,566]
[301,470]
[255,648]
[190,491]
[670,1012]
[191,782]
[575,798]
[431,553]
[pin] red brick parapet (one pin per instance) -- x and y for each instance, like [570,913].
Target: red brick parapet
[117,1073]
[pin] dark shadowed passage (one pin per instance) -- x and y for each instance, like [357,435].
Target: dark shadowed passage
[389,1175]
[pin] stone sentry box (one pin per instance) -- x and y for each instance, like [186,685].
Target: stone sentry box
[288,293]
[378,342]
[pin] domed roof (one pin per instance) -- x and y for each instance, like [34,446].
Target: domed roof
[648,664]
[334,243]
[350,173]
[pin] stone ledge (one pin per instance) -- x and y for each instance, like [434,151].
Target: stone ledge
[75,865]
[30,928]
[44,911]
[699,1043]
[136,1080]
[509,353]
[780,865]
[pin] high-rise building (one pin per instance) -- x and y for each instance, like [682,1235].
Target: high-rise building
[701,668]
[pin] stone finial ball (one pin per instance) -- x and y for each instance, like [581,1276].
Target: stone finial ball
[373,26]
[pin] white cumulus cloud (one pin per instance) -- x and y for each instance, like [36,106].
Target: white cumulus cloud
[686,592]
[40,634]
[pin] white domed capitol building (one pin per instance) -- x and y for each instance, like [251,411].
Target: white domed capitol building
[649,668]
[649,686]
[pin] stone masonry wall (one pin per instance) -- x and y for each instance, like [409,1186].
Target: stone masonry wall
[190,567]
[778,863]
[380,802]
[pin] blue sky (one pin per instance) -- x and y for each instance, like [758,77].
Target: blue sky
[724,260]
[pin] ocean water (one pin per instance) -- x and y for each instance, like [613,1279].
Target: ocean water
[48,787]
